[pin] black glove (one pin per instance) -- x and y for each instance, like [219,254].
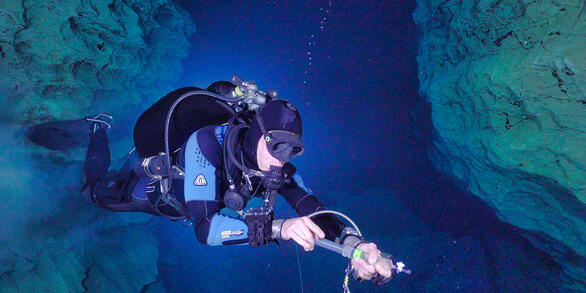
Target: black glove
[378,279]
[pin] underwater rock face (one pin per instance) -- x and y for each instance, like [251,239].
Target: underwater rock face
[60,58]
[506,84]
[65,60]
[122,258]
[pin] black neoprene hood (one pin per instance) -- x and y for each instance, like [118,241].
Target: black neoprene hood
[276,115]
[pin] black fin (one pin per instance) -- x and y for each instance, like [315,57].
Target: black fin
[60,135]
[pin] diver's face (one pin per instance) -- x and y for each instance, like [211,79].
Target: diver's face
[264,158]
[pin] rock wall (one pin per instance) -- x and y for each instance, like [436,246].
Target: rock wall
[506,83]
[62,60]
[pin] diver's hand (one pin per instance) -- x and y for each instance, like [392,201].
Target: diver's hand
[303,230]
[375,265]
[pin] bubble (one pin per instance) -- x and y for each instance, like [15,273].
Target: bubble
[323,25]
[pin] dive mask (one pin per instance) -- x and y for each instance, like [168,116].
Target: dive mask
[283,145]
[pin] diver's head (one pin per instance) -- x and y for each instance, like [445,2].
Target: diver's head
[274,136]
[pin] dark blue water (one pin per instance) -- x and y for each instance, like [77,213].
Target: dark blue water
[367,133]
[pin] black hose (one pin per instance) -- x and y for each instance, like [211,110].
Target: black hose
[229,138]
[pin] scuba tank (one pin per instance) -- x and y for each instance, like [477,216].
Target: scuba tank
[190,115]
[215,105]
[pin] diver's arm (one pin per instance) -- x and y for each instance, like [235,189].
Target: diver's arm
[304,202]
[213,228]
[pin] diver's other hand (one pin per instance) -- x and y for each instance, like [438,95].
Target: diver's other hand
[374,264]
[303,230]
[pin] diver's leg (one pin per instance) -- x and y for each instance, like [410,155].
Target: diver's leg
[114,191]
[97,160]
[111,190]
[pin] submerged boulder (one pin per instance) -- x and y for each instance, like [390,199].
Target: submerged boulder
[506,84]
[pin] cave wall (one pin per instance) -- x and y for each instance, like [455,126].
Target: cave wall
[64,60]
[506,84]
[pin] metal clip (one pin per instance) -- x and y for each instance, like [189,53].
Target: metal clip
[185,221]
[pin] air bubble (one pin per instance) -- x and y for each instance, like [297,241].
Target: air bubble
[323,25]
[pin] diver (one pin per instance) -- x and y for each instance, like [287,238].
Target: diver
[202,156]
